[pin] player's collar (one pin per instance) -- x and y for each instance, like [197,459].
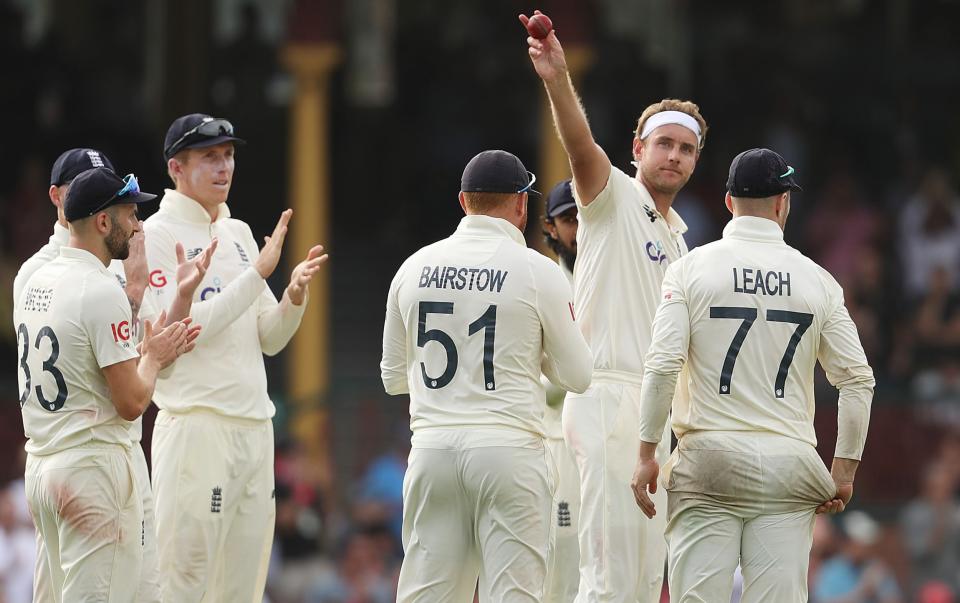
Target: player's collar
[751,227]
[673,220]
[83,255]
[488,225]
[61,234]
[184,207]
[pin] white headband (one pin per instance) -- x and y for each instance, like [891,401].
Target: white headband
[670,117]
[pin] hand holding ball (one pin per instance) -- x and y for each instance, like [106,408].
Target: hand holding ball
[539,25]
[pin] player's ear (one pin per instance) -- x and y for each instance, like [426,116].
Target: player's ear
[102,220]
[783,204]
[463,203]
[637,148]
[54,193]
[728,201]
[174,169]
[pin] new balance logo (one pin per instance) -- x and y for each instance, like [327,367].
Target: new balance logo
[243,254]
[216,500]
[650,214]
[563,514]
[192,253]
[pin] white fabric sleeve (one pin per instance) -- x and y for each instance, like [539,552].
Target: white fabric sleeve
[393,365]
[605,202]
[666,356]
[554,395]
[845,364]
[49,252]
[105,316]
[277,321]
[214,314]
[567,359]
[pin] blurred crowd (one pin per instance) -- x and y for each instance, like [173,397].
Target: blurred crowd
[880,210]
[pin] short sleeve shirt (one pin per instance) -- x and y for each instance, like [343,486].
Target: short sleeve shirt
[72,320]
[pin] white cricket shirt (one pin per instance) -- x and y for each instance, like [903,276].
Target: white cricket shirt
[72,319]
[553,413]
[51,251]
[624,247]
[240,318]
[751,316]
[470,323]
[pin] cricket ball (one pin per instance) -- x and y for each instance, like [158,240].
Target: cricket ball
[539,26]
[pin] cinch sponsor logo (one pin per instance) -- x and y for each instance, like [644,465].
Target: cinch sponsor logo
[655,252]
[121,331]
[207,292]
[157,279]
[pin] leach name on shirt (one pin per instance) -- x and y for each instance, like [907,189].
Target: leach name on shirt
[758,282]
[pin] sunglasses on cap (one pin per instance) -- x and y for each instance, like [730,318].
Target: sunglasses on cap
[130,187]
[209,128]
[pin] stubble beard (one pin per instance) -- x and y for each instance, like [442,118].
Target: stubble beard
[117,242]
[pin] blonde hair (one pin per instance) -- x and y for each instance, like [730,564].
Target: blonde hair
[486,203]
[182,157]
[673,104]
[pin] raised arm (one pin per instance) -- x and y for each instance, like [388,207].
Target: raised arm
[177,279]
[278,321]
[105,316]
[131,382]
[136,275]
[588,162]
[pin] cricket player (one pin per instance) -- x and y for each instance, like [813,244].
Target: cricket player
[213,439]
[81,385]
[471,322]
[749,317]
[628,234]
[563,575]
[131,273]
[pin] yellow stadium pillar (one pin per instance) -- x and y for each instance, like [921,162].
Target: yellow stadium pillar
[308,364]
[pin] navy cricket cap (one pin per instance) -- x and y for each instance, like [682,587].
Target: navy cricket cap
[72,163]
[560,199]
[197,130]
[97,189]
[496,172]
[759,173]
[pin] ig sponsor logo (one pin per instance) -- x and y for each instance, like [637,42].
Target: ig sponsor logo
[121,331]
[157,279]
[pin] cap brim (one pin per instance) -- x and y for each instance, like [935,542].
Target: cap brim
[140,197]
[209,142]
[562,208]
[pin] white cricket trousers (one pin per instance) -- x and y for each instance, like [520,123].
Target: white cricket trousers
[215,508]
[89,520]
[149,589]
[746,498]
[622,553]
[563,572]
[473,510]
